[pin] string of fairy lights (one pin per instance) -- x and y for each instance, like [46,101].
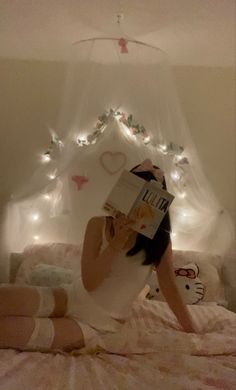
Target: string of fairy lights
[138,131]
[132,129]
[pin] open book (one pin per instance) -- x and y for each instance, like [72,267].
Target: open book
[144,202]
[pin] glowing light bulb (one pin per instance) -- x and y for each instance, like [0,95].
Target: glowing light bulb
[52,176]
[46,158]
[35,217]
[163,147]
[178,157]
[128,131]
[36,238]
[47,196]
[175,175]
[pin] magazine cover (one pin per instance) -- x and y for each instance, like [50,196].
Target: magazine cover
[144,202]
[150,208]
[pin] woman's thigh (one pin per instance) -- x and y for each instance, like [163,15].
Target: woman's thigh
[25,300]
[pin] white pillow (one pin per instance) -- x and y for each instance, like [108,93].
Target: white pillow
[59,254]
[50,275]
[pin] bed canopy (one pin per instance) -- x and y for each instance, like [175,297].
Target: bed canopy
[119,107]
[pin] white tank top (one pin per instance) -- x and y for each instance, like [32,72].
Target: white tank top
[120,288]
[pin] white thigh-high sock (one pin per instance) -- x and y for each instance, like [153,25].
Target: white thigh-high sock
[46,302]
[43,334]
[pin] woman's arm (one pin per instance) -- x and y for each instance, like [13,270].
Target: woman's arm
[168,287]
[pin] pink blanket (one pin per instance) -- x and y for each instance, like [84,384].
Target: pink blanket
[151,352]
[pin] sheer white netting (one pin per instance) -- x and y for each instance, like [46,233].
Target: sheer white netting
[117,109]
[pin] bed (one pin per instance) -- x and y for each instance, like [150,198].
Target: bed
[151,352]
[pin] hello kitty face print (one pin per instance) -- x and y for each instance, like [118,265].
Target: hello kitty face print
[189,285]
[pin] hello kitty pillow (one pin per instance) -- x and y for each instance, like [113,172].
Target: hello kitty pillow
[191,288]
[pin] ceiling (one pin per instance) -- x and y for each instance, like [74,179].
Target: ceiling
[192,32]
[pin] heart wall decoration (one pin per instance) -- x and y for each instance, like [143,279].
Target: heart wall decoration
[113,162]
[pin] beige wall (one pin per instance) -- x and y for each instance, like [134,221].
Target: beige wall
[30,97]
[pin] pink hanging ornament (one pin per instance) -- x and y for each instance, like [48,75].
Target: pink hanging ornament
[79,180]
[123,45]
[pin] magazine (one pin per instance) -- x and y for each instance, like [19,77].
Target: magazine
[144,202]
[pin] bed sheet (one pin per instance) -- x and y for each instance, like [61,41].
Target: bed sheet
[151,352]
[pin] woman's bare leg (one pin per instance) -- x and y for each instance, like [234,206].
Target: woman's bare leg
[24,301]
[15,332]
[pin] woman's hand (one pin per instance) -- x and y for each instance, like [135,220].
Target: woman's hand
[122,230]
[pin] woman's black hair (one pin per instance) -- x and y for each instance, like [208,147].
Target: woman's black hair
[156,247]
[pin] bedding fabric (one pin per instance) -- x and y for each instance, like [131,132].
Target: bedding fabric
[151,352]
